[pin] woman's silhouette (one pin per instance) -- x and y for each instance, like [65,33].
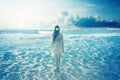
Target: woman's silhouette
[57,45]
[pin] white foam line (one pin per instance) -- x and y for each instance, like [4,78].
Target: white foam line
[113,28]
[11,36]
[95,35]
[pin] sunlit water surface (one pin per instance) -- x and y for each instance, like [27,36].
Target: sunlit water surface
[90,54]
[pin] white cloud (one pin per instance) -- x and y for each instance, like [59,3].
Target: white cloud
[33,13]
[26,14]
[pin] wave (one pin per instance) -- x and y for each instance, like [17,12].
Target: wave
[95,35]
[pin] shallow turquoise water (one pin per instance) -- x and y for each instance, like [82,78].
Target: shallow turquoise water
[89,55]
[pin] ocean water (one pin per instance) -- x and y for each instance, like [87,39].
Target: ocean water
[90,54]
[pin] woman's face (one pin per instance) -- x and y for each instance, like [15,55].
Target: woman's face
[57,29]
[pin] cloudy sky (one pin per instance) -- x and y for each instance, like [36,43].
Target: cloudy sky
[20,14]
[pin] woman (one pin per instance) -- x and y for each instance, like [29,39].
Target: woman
[57,45]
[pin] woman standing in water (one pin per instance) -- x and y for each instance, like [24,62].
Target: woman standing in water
[57,46]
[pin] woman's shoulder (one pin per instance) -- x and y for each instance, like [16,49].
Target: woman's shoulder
[61,34]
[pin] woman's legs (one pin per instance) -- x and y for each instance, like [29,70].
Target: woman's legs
[57,57]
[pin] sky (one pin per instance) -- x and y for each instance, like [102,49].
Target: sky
[35,14]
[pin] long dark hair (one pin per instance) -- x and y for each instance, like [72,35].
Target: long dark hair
[56,32]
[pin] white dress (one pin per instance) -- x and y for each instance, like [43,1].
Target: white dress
[58,45]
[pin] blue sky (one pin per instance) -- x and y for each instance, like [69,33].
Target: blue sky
[34,13]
